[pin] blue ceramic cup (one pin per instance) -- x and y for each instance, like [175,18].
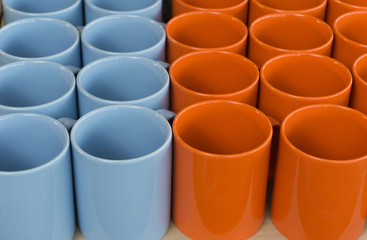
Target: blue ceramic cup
[127,35]
[36,189]
[123,80]
[122,170]
[68,10]
[45,39]
[38,87]
[98,8]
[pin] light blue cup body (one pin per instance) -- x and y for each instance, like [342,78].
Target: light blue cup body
[38,87]
[122,80]
[36,189]
[45,39]
[99,8]
[122,172]
[127,35]
[68,10]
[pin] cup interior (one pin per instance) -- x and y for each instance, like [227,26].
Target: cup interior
[306,75]
[327,132]
[214,3]
[123,33]
[27,84]
[214,72]
[120,132]
[35,38]
[123,78]
[292,31]
[350,25]
[360,68]
[114,5]
[29,141]
[221,127]
[206,30]
[39,6]
[292,5]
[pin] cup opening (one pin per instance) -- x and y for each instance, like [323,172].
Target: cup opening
[35,38]
[221,127]
[327,132]
[357,3]
[292,5]
[113,5]
[350,25]
[27,84]
[120,132]
[360,68]
[123,34]
[39,6]
[214,4]
[306,75]
[206,30]
[292,31]
[214,72]
[29,141]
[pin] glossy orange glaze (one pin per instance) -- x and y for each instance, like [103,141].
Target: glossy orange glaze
[206,75]
[236,8]
[320,184]
[195,31]
[336,8]
[221,157]
[358,98]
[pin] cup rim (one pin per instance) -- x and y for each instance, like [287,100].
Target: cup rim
[119,16]
[354,69]
[264,80]
[340,35]
[42,19]
[277,10]
[224,15]
[290,14]
[102,110]
[118,58]
[315,158]
[242,3]
[49,163]
[69,92]
[220,95]
[266,142]
[349,4]
[95,7]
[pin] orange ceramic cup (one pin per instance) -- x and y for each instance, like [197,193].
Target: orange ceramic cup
[358,98]
[336,8]
[206,75]
[236,8]
[350,37]
[195,31]
[294,80]
[320,184]
[280,33]
[221,157]
[259,8]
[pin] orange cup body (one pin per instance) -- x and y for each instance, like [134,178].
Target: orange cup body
[350,37]
[197,31]
[358,98]
[221,158]
[207,75]
[320,184]
[281,33]
[236,8]
[259,8]
[336,8]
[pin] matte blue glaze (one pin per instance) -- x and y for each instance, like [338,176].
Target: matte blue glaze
[122,80]
[45,39]
[127,35]
[68,10]
[99,8]
[122,170]
[36,189]
[38,87]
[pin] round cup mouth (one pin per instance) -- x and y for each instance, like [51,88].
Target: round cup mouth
[349,4]
[360,63]
[302,17]
[199,14]
[157,3]
[254,111]
[245,62]
[40,14]
[341,68]
[55,66]
[214,9]
[120,59]
[322,3]
[318,107]
[123,109]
